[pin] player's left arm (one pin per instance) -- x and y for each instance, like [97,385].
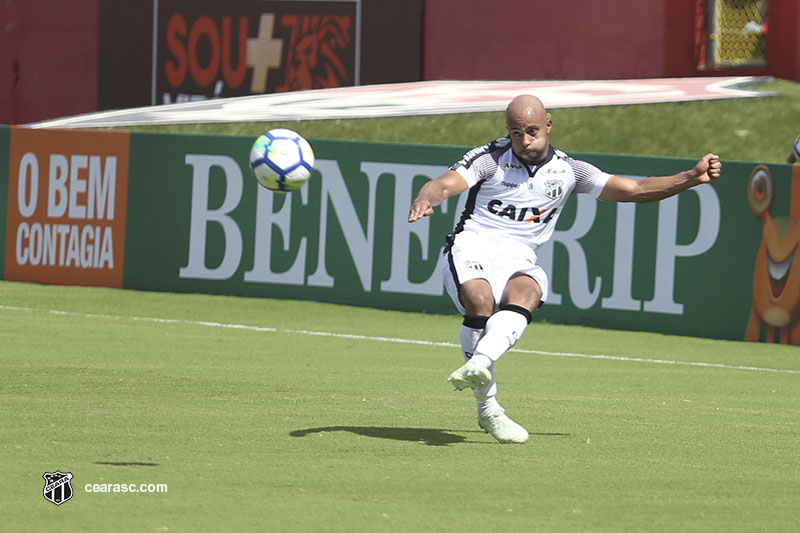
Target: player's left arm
[652,189]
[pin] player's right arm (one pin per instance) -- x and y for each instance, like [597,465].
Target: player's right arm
[435,192]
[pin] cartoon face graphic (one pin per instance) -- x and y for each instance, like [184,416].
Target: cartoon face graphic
[776,277]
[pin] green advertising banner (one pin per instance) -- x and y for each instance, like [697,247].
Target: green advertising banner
[716,261]
[202,223]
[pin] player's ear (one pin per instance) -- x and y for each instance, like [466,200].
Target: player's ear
[759,190]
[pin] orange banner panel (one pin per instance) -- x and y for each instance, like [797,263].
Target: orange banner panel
[67,200]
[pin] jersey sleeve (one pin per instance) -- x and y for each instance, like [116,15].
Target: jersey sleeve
[588,178]
[479,163]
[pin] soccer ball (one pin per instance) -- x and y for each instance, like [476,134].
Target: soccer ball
[281,160]
[797,148]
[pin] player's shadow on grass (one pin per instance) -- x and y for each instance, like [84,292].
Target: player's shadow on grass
[119,463]
[430,437]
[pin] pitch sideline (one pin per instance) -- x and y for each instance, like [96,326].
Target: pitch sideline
[395,340]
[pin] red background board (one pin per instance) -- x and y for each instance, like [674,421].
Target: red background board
[97,54]
[576,39]
[48,59]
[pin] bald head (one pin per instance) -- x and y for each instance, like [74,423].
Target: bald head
[525,107]
[528,128]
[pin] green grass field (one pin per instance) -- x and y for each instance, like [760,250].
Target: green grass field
[269,415]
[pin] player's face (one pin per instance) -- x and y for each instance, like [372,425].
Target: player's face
[530,135]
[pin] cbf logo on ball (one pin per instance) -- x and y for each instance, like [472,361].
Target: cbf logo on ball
[57,487]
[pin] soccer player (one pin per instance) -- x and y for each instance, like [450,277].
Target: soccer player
[517,186]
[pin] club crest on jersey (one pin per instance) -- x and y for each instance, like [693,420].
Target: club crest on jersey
[553,188]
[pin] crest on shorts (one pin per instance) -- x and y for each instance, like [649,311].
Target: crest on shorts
[553,188]
[474,265]
[57,488]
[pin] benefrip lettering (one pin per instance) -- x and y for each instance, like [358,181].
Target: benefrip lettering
[343,219]
[202,216]
[668,250]
[359,237]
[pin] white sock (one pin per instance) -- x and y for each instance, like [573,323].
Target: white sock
[487,406]
[471,332]
[503,330]
[469,338]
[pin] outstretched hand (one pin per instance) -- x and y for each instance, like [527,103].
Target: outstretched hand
[435,192]
[420,209]
[708,168]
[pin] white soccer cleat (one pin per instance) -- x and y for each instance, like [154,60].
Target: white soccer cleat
[502,428]
[470,375]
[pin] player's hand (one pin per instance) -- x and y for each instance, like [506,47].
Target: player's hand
[420,209]
[708,168]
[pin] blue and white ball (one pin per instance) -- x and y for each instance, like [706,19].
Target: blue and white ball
[796,148]
[281,160]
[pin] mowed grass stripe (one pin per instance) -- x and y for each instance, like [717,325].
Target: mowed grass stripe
[396,340]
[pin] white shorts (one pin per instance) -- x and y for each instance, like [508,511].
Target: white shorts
[474,257]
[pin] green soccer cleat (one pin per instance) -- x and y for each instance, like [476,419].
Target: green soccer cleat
[502,428]
[470,375]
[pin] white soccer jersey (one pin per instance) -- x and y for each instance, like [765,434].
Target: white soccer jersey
[508,199]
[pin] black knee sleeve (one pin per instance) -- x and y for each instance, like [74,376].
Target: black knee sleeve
[518,309]
[475,322]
